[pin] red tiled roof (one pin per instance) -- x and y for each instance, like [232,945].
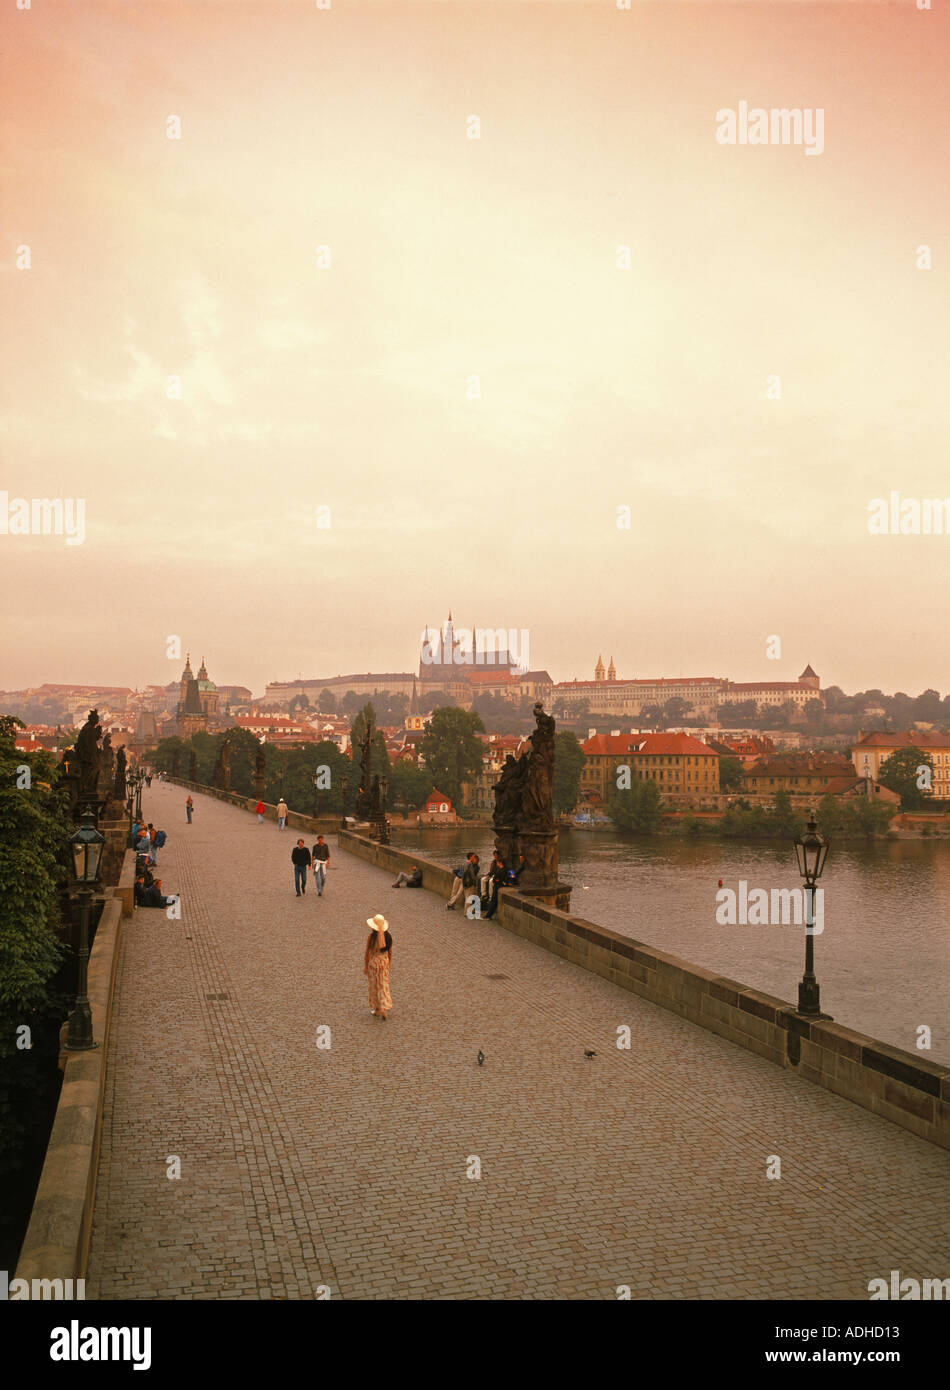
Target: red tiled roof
[919,739]
[648,745]
[767,685]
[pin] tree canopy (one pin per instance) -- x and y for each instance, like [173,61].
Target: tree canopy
[568,765]
[909,772]
[451,751]
[33,831]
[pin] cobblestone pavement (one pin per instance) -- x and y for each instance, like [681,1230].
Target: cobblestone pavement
[347,1168]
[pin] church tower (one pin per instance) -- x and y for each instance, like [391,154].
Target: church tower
[611,671]
[599,669]
[186,676]
[207,692]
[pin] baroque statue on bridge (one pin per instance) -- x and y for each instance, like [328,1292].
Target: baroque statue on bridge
[118,786]
[526,833]
[367,799]
[221,777]
[89,755]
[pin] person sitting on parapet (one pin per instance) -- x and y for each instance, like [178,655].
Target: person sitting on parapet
[413,880]
[151,896]
[457,876]
[497,878]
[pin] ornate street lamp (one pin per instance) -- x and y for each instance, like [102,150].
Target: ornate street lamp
[812,851]
[344,783]
[86,846]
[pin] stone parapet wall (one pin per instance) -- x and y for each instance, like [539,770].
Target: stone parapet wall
[900,1086]
[125,890]
[56,1245]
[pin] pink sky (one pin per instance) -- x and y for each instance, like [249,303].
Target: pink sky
[453,257]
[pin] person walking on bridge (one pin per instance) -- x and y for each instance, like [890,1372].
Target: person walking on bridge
[301,861]
[259,809]
[377,959]
[189,808]
[281,814]
[321,863]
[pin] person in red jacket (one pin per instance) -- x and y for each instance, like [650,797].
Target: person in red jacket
[260,808]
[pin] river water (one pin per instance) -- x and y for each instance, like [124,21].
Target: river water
[882,958]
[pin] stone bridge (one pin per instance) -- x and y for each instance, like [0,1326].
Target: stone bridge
[242,1159]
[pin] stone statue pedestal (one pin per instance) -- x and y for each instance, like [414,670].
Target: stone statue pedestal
[539,878]
[558,895]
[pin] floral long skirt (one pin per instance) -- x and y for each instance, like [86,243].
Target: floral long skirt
[380,999]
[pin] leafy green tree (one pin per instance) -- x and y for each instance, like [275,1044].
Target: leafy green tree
[501,716]
[730,774]
[326,702]
[854,817]
[814,715]
[451,751]
[744,822]
[433,699]
[164,754]
[327,755]
[785,821]
[205,748]
[568,765]
[675,710]
[409,785]
[244,748]
[299,702]
[636,808]
[33,831]
[902,771]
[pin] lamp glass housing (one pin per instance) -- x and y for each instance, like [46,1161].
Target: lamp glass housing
[86,845]
[812,851]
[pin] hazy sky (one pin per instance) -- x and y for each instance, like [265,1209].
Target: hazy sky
[451,258]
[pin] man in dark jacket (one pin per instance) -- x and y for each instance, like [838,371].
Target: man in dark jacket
[301,861]
[497,878]
[413,880]
[321,862]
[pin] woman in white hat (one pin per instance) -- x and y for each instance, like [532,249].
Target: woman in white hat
[376,962]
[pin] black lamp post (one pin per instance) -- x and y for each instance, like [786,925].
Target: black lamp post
[344,783]
[315,779]
[86,846]
[812,851]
